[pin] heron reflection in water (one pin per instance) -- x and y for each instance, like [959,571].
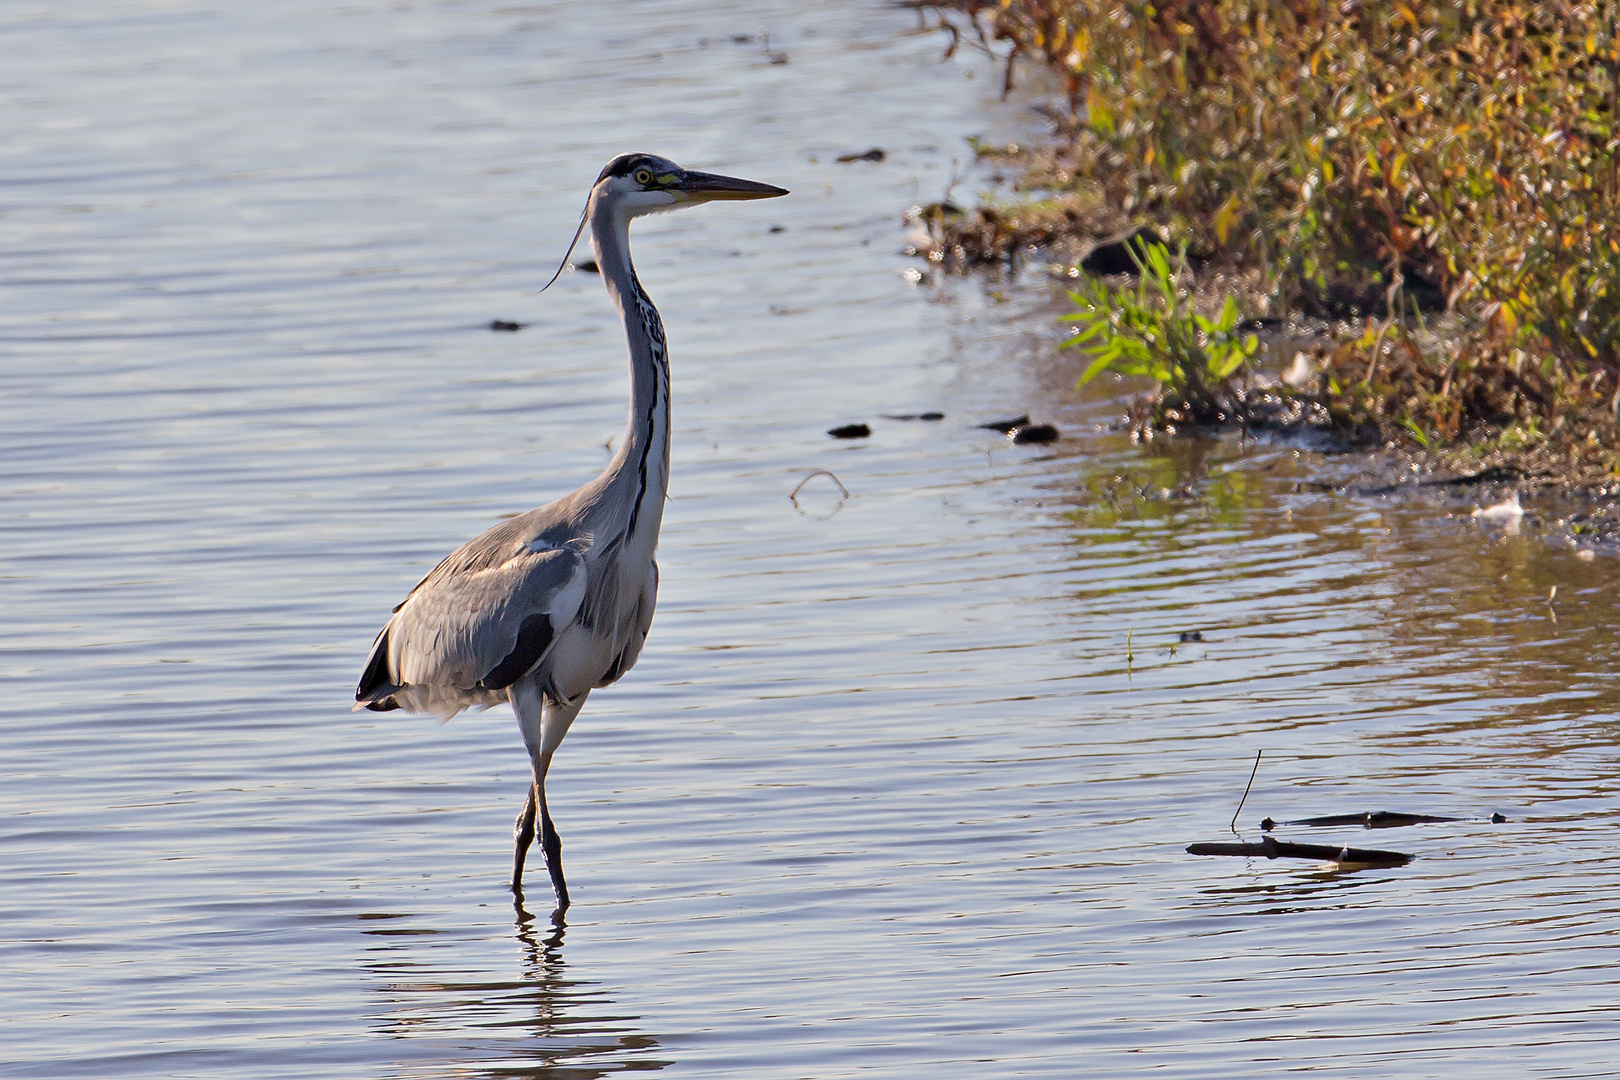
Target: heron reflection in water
[526,1016]
[549,605]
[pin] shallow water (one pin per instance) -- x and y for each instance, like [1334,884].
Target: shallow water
[902,784]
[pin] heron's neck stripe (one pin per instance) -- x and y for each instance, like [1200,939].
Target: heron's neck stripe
[658,354]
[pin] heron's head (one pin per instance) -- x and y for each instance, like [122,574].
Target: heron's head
[637,184]
[648,184]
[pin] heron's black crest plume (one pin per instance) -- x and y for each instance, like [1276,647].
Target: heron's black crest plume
[571,244]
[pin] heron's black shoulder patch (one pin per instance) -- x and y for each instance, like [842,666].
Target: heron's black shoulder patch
[533,637]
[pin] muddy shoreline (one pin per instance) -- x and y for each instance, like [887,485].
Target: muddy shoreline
[1569,504]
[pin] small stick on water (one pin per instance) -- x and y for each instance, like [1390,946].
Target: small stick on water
[1246,788]
[793,496]
[1128,655]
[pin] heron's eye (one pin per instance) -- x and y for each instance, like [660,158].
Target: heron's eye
[643,177]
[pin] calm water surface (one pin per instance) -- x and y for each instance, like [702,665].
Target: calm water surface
[902,784]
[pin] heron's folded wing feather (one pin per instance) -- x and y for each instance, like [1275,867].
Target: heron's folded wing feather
[481,624]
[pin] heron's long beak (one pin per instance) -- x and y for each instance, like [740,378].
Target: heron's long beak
[709,187]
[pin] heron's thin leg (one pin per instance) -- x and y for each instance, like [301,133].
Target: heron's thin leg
[522,837]
[543,723]
[551,845]
[529,707]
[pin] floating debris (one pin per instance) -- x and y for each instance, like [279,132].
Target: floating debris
[1036,434]
[936,211]
[793,495]
[1508,510]
[1302,373]
[777,229]
[1496,474]
[874,154]
[930,416]
[1189,636]
[1374,819]
[1271,848]
[502,324]
[851,431]
[587,266]
[1006,427]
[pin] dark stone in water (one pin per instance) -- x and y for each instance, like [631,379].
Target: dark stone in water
[502,324]
[850,431]
[778,228]
[1037,434]
[1114,256]
[874,154]
[1007,426]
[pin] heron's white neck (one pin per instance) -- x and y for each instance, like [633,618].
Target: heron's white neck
[642,461]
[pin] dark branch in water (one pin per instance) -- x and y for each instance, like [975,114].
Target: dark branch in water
[1286,849]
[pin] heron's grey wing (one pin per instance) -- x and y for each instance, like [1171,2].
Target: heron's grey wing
[476,624]
[551,526]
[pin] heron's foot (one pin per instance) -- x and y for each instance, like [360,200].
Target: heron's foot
[551,845]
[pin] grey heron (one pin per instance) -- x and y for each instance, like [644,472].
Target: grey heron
[549,605]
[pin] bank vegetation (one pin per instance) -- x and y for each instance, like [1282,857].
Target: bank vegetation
[1437,183]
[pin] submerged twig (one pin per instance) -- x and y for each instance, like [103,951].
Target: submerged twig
[793,496]
[1246,787]
[1376,819]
